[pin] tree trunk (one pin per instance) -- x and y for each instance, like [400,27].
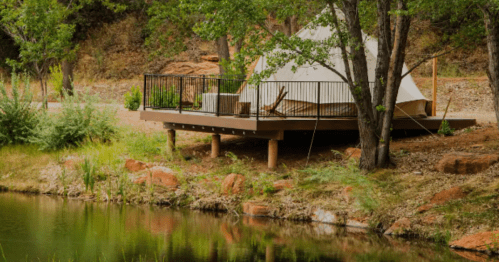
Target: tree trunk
[491,19]
[360,88]
[383,59]
[223,52]
[393,82]
[67,77]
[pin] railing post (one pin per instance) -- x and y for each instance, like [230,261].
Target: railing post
[218,98]
[181,91]
[144,94]
[204,81]
[257,102]
[318,100]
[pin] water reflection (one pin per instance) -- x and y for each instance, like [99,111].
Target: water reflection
[42,228]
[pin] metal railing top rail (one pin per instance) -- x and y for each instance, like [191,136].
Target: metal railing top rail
[210,76]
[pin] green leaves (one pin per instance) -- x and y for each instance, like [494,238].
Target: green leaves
[18,115]
[38,27]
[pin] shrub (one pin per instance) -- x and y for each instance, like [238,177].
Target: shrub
[18,115]
[445,129]
[55,79]
[133,98]
[75,123]
[164,98]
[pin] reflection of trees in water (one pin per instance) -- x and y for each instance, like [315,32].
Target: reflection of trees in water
[80,230]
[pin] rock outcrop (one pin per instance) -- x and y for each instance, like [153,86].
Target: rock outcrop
[135,166]
[400,227]
[483,242]
[160,176]
[233,184]
[443,197]
[465,163]
[354,153]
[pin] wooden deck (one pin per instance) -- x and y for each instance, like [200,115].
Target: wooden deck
[273,128]
[208,123]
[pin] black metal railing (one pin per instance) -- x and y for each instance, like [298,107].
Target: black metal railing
[233,95]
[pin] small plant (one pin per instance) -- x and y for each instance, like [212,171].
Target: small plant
[164,98]
[55,79]
[197,101]
[133,99]
[18,115]
[468,130]
[445,129]
[493,247]
[122,186]
[62,177]
[88,175]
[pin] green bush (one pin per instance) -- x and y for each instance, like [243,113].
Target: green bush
[164,98]
[75,123]
[445,129]
[133,98]
[18,115]
[55,79]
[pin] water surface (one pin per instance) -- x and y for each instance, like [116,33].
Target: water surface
[44,228]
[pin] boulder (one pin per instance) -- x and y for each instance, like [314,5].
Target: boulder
[160,176]
[466,163]
[400,227]
[135,166]
[443,197]
[485,241]
[233,184]
[325,216]
[256,209]
[283,184]
[353,153]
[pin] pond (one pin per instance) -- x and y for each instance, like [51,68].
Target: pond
[45,228]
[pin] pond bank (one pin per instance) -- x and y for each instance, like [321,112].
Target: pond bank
[332,194]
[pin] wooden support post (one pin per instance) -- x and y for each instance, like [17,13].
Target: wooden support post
[434,104]
[171,140]
[215,145]
[273,154]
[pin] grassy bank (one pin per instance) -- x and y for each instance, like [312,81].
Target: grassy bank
[376,199]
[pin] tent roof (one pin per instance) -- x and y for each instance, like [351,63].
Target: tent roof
[408,90]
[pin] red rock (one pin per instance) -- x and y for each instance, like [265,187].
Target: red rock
[425,208]
[465,163]
[353,153]
[443,197]
[400,227]
[478,242]
[429,220]
[160,176]
[256,209]
[446,195]
[283,184]
[233,184]
[210,58]
[346,193]
[134,165]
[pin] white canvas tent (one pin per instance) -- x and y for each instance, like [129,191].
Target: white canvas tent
[302,96]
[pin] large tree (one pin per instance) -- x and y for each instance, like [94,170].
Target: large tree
[38,28]
[375,110]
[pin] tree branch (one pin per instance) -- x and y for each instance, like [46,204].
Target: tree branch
[426,59]
[301,53]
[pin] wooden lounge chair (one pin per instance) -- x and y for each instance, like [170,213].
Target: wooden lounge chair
[272,109]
